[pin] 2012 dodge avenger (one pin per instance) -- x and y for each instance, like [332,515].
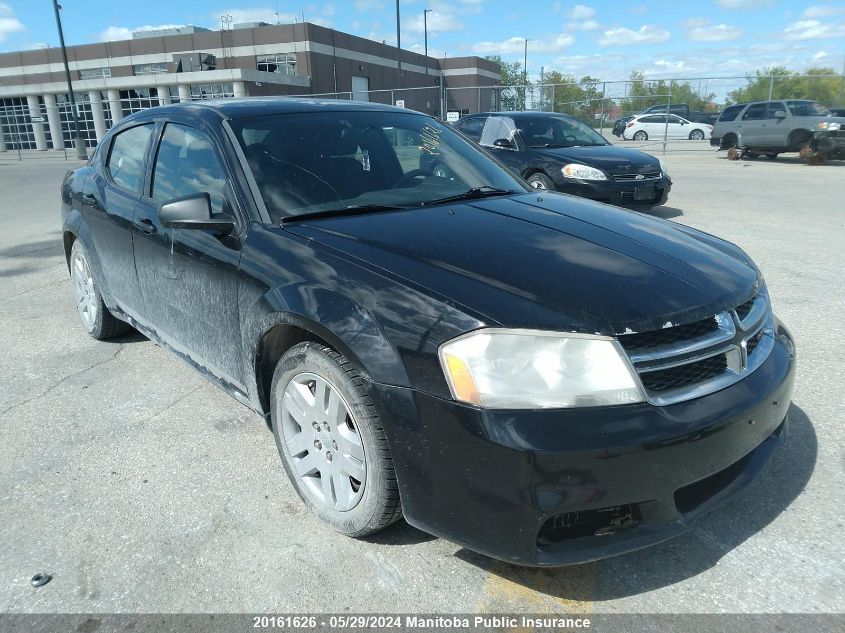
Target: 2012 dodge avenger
[540,378]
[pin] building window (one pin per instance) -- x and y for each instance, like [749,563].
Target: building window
[149,69]
[137,100]
[94,73]
[212,91]
[281,64]
[17,127]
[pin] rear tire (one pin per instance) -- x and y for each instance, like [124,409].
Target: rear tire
[640,136]
[332,442]
[98,322]
[696,135]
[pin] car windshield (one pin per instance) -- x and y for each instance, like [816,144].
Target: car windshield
[555,131]
[309,163]
[807,108]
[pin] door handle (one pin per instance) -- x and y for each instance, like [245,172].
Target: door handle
[91,200]
[145,225]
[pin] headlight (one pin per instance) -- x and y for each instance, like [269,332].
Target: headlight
[832,125]
[532,369]
[663,167]
[582,172]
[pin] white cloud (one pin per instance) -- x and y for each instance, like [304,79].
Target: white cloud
[257,14]
[813,29]
[622,36]
[822,11]
[581,12]
[438,22]
[517,45]
[113,33]
[8,22]
[821,55]
[715,33]
[741,4]
[586,25]
[694,22]
[369,5]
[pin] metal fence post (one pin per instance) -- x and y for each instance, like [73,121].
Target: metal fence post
[666,125]
[771,86]
[601,120]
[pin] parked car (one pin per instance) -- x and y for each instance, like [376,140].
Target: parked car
[556,152]
[681,109]
[656,126]
[537,377]
[698,116]
[837,111]
[619,125]
[774,127]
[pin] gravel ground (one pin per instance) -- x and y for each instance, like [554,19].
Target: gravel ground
[142,488]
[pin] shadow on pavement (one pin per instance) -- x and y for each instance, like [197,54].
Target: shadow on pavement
[400,533]
[694,552]
[664,212]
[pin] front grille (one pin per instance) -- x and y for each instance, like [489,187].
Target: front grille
[684,375]
[651,175]
[669,335]
[690,360]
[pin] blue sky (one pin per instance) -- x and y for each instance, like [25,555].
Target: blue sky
[601,38]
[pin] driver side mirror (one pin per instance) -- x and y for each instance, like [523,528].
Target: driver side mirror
[503,143]
[194,212]
[780,114]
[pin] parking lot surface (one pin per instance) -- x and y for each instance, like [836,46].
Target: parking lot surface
[142,488]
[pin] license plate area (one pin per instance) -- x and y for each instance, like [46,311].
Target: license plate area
[645,193]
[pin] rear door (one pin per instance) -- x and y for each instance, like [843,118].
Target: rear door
[189,277]
[109,201]
[752,125]
[677,127]
[775,130]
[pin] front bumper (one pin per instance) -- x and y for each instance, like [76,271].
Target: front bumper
[829,142]
[506,483]
[621,194]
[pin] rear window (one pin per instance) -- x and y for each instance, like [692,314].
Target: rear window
[731,113]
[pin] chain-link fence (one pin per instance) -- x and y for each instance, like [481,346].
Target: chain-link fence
[45,122]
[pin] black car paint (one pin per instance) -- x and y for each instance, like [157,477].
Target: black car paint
[525,161]
[387,289]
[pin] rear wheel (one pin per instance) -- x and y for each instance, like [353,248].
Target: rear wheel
[640,136]
[541,181]
[98,322]
[331,440]
[696,135]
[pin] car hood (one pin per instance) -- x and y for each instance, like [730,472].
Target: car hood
[608,158]
[552,261]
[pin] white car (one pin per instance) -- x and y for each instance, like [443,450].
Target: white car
[653,126]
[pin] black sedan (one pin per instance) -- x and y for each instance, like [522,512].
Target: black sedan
[543,379]
[557,152]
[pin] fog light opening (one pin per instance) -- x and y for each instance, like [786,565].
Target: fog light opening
[572,525]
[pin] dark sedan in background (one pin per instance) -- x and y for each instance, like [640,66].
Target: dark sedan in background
[559,153]
[540,378]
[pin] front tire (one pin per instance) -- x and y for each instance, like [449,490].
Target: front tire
[541,182]
[98,322]
[331,440]
[641,136]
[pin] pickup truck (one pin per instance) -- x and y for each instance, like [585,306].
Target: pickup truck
[774,127]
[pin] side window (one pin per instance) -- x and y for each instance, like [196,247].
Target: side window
[731,113]
[186,163]
[495,128]
[126,158]
[775,106]
[674,119]
[755,112]
[472,128]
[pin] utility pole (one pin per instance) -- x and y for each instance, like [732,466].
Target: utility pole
[425,31]
[77,135]
[525,77]
[398,47]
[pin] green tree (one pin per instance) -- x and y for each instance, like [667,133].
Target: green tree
[512,77]
[819,84]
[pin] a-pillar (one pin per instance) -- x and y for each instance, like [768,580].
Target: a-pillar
[97,114]
[114,106]
[55,121]
[184,92]
[163,95]
[37,128]
[240,89]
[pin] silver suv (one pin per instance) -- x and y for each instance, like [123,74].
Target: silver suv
[774,127]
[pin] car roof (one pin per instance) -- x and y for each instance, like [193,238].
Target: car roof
[261,106]
[518,114]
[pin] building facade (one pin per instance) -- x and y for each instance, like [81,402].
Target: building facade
[114,79]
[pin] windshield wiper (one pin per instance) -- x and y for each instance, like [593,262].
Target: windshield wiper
[483,191]
[352,209]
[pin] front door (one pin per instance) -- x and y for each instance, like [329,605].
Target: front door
[752,125]
[189,277]
[502,128]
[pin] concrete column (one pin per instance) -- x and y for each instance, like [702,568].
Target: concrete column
[163,95]
[184,92]
[114,106]
[2,138]
[240,89]
[97,114]
[37,128]
[55,121]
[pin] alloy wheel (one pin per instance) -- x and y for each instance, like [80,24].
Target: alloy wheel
[323,442]
[87,303]
[537,184]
